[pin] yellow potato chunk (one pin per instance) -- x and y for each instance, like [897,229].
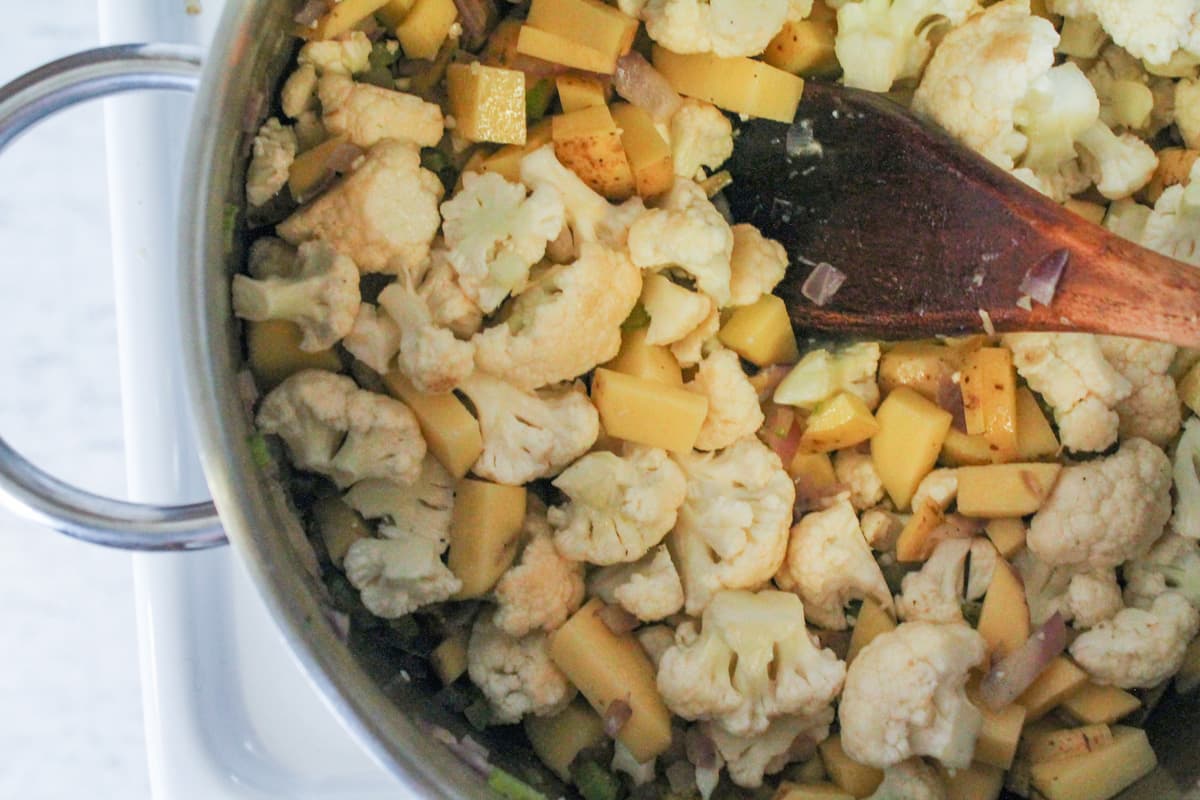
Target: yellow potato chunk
[451,432]
[842,421]
[648,412]
[1008,534]
[1098,775]
[560,50]
[648,153]
[588,143]
[1035,438]
[393,12]
[653,362]
[1004,618]
[273,353]
[922,366]
[1000,733]
[344,16]
[1095,704]
[485,529]
[587,22]
[1051,745]
[607,667]
[804,47]
[1059,680]
[761,333]
[815,469]
[311,168]
[1092,212]
[507,160]
[916,542]
[449,659]
[911,432]
[989,392]
[739,84]
[873,619]
[488,103]
[558,739]
[426,27]
[579,91]
[1005,490]
[810,791]
[976,782]
[965,449]
[339,526]
[857,780]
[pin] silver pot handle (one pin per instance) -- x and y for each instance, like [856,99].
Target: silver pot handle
[27,490]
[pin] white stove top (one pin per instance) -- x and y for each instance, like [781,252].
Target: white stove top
[229,715]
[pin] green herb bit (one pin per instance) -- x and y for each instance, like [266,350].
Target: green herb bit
[537,99]
[229,222]
[259,450]
[511,787]
[594,782]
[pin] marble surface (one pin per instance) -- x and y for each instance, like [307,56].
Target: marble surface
[70,705]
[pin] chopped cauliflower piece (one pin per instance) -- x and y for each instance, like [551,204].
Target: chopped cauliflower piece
[1083,598]
[1173,564]
[1092,597]
[856,471]
[1061,104]
[733,409]
[1187,111]
[346,55]
[921,709]
[752,660]
[396,576]
[749,758]
[881,528]
[299,92]
[1129,96]
[725,27]
[1151,411]
[367,114]
[1120,165]
[620,506]
[529,435]
[701,136]
[935,592]
[939,487]
[1155,32]
[448,302]
[590,216]
[648,588]
[820,375]
[270,161]
[732,531]
[1172,228]
[689,350]
[1186,472]
[375,337]
[516,675]
[543,589]
[1139,648]
[910,780]
[675,312]
[757,265]
[430,356]
[423,508]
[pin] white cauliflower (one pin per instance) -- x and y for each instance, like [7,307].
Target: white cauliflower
[1129,96]
[299,92]
[1186,472]
[881,528]
[1084,598]
[347,55]
[1071,374]
[1120,165]
[725,27]
[367,114]
[1172,227]
[1173,564]
[423,508]
[384,214]
[396,576]
[494,234]
[565,323]
[732,530]
[1151,411]
[685,230]
[375,337]
[1139,648]
[590,217]
[733,409]
[648,588]
[543,589]
[620,506]
[432,357]
[749,758]
[675,311]
[939,487]
[1091,598]
[1155,32]
[881,41]
[753,660]
[448,303]
[270,161]
[701,136]
[921,709]
[331,426]
[690,349]
[856,471]
[1127,218]
[822,374]
[655,640]
[829,564]
[1060,105]
[910,780]
[1187,111]
[757,265]
[1101,513]
[320,295]
[935,592]
[516,675]
[529,435]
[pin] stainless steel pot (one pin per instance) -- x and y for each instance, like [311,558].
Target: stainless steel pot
[251,50]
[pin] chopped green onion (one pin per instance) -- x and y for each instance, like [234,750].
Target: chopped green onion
[259,450]
[638,318]
[511,787]
[537,99]
[378,76]
[594,782]
[229,226]
[382,56]
[434,160]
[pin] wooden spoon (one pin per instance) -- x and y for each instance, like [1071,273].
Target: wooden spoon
[930,235]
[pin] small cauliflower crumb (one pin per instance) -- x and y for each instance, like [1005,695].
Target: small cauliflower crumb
[271,159]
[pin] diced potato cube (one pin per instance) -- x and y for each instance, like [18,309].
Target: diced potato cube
[1035,437]
[273,353]
[339,526]
[1004,619]
[558,739]
[449,659]
[579,91]
[873,619]
[451,432]
[588,143]
[911,432]
[587,22]
[1092,212]
[916,542]
[393,12]
[654,362]
[1189,389]
[1051,745]
[488,103]
[311,168]
[840,422]
[1185,358]
[856,779]
[648,152]
[810,791]
[1001,730]
[1008,534]
[813,474]
[344,16]
[1098,775]
[976,782]
[742,85]
[605,667]
[1095,704]
[648,412]
[485,529]
[761,333]
[965,449]
[1059,680]
[506,161]
[426,27]
[561,50]
[928,368]
[1005,490]
[989,392]
[803,47]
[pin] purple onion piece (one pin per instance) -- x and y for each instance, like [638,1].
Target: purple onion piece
[477,18]
[641,84]
[1041,280]
[310,12]
[254,112]
[1012,675]
[473,754]
[615,717]
[618,620]
[823,283]
[701,750]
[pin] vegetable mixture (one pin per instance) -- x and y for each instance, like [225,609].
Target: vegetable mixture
[552,432]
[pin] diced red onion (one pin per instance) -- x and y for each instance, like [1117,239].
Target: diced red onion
[837,641]
[700,749]
[955,526]
[477,18]
[310,12]
[615,717]
[800,140]
[1041,280]
[823,283]
[949,397]
[341,158]
[1012,675]
[252,114]
[340,621]
[618,620]
[641,84]
[469,751]
[767,380]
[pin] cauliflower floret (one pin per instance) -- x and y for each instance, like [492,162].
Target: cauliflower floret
[347,55]
[701,136]
[447,302]
[1059,107]
[1129,97]
[430,356]
[398,575]
[752,661]
[881,529]
[690,349]
[675,312]
[921,709]
[686,231]
[649,588]
[367,114]
[331,426]
[423,508]
[881,41]
[516,675]
[1070,372]
[1104,512]
[1153,31]
[856,471]
[935,593]
[1173,228]
[733,409]
[1120,165]
[270,161]
[1139,648]
[748,759]
[494,234]
[543,589]
[655,640]
[1092,597]
[620,506]
[1152,410]
[820,375]
[529,435]
[564,324]
[1172,564]
[1187,111]
[375,337]
[732,531]
[829,564]
[757,265]
[1083,598]
[320,295]
[299,92]
[910,780]
[383,215]
[590,217]
[939,487]
[1186,471]
[724,27]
